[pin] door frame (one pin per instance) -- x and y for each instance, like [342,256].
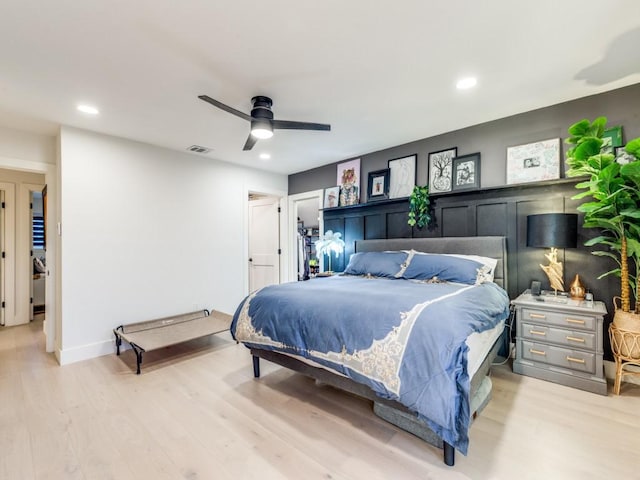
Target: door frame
[280,195]
[292,223]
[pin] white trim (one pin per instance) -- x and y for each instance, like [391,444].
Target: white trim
[292,223]
[86,352]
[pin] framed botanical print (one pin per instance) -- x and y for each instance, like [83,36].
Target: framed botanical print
[440,170]
[466,172]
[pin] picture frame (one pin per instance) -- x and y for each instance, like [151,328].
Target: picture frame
[378,185]
[402,175]
[622,157]
[466,172]
[611,138]
[348,179]
[440,170]
[331,197]
[533,162]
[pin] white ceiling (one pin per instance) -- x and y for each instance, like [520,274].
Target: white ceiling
[381,73]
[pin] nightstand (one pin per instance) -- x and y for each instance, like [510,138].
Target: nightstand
[560,340]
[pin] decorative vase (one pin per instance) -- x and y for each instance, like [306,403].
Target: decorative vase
[577,289]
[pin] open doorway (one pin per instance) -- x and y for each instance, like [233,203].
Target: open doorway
[38,257]
[305,226]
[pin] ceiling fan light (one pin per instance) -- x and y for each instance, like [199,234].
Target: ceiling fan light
[262,132]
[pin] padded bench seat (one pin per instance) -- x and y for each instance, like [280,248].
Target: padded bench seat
[163,332]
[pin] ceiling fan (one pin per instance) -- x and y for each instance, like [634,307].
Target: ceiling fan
[261,118]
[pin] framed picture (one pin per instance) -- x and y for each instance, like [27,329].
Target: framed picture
[378,185]
[402,176]
[440,164]
[612,138]
[331,197]
[533,162]
[349,181]
[466,172]
[622,157]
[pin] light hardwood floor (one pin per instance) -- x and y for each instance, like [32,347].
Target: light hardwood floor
[197,413]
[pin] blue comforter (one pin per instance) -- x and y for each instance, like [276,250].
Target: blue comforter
[403,339]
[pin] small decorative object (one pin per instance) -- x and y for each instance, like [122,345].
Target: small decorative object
[553,230]
[611,138]
[613,208]
[378,185]
[329,243]
[403,176]
[533,162]
[440,170]
[576,289]
[419,207]
[349,181]
[331,197]
[466,172]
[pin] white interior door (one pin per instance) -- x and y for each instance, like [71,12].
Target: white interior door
[264,243]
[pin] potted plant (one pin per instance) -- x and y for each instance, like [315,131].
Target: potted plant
[613,207]
[419,207]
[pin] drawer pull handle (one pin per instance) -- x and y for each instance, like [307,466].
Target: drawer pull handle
[575,360]
[537,352]
[575,339]
[537,332]
[537,315]
[573,320]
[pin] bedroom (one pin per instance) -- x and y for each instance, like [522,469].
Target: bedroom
[138,204]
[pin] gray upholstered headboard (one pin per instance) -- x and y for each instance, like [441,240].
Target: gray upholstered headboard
[494,247]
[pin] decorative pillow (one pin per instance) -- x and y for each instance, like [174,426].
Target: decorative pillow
[426,266]
[377,264]
[489,263]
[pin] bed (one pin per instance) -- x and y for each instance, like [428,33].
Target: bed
[396,328]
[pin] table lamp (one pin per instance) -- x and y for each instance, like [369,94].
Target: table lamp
[554,231]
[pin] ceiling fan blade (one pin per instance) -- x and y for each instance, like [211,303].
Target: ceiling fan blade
[251,141]
[289,125]
[224,107]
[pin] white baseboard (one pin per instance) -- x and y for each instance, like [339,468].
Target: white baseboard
[85,352]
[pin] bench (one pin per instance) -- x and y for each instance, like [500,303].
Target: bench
[163,332]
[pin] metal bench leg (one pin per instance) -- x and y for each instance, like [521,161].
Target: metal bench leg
[449,454]
[139,351]
[256,366]
[118,343]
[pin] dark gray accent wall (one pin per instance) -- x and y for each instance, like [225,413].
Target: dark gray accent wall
[491,139]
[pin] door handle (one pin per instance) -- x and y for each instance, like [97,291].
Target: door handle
[251,259]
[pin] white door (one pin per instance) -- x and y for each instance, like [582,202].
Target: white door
[264,242]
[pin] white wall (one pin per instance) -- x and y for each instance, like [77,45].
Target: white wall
[147,232]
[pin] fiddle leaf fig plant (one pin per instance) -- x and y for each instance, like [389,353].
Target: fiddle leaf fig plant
[613,205]
[419,207]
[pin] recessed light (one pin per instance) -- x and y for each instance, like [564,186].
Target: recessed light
[466,83]
[88,109]
[265,156]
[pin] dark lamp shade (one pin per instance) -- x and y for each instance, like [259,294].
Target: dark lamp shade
[552,230]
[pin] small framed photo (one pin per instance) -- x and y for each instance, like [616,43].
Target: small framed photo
[348,179]
[440,165]
[402,176]
[378,185]
[533,162]
[466,172]
[331,197]
[611,139]
[622,157]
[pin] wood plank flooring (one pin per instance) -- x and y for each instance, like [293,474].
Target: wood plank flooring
[196,412]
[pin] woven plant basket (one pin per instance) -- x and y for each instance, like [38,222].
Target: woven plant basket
[625,339]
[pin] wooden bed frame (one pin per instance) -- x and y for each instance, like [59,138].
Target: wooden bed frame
[392,411]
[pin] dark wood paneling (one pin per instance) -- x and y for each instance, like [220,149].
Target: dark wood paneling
[500,211]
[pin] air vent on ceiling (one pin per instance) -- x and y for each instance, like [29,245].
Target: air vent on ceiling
[198,149]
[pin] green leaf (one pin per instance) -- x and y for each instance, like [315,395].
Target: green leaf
[580,128]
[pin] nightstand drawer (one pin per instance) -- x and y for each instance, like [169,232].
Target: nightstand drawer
[571,338]
[558,356]
[567,320]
